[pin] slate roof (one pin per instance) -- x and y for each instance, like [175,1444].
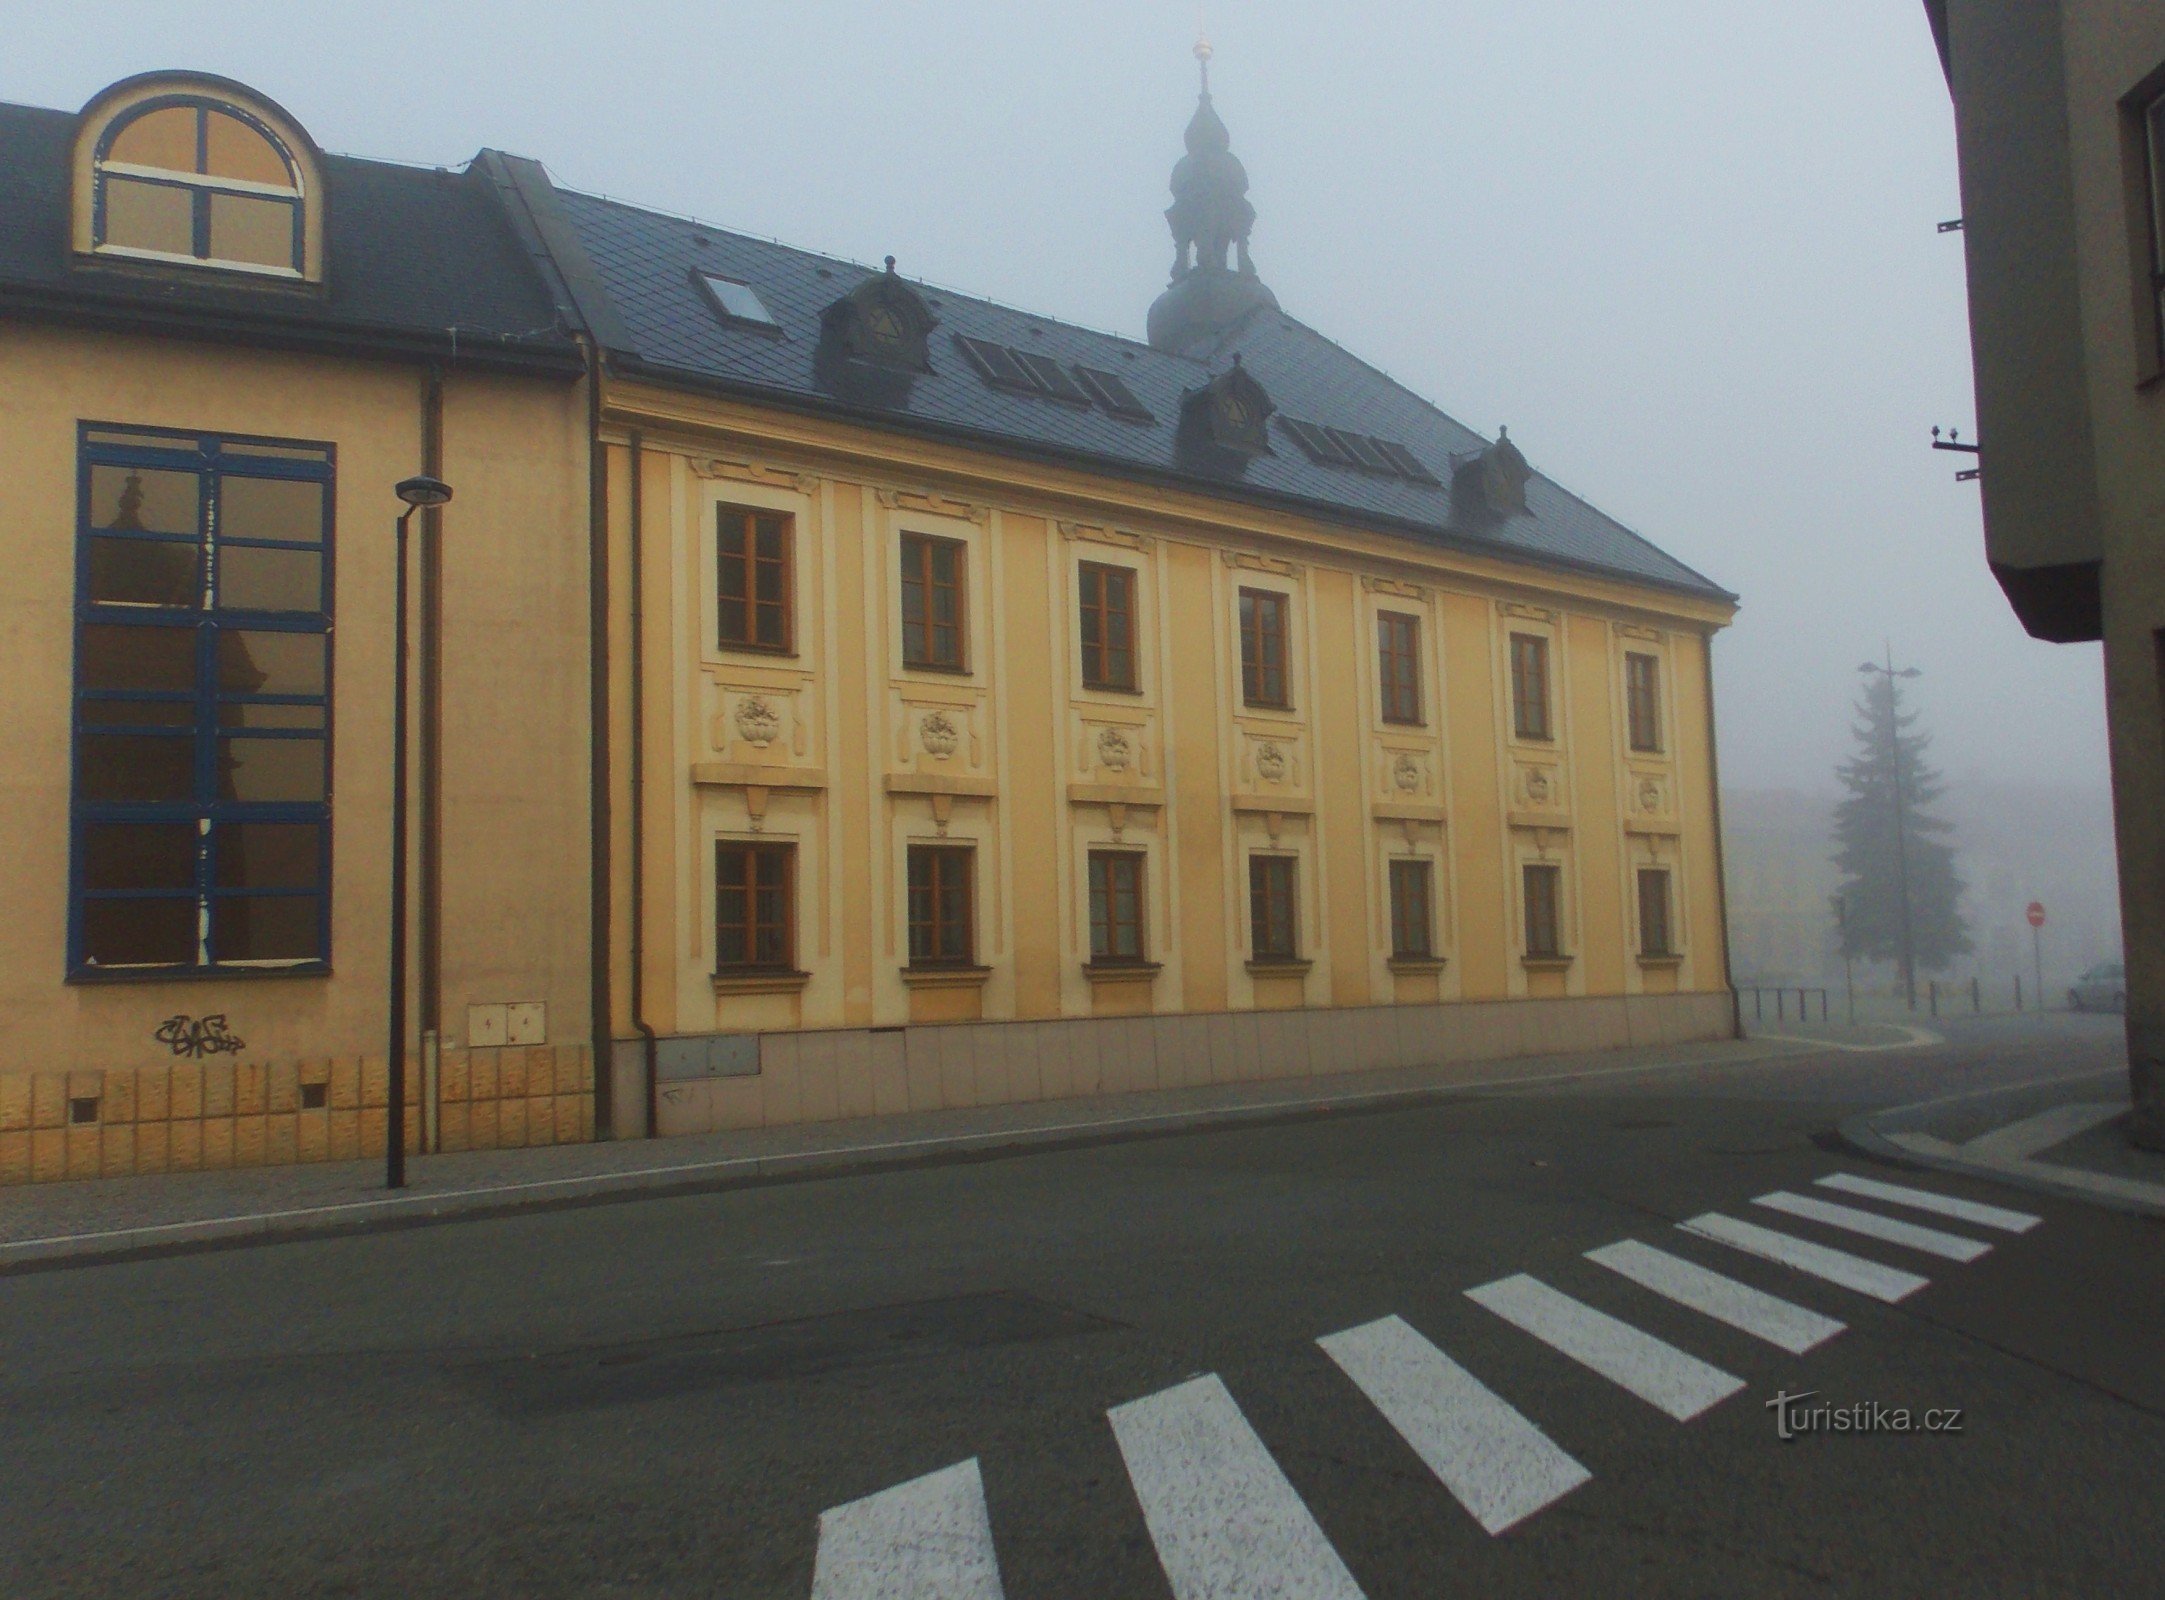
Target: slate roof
[642,264]
[417,261]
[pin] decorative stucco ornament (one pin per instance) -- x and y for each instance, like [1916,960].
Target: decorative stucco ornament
[1537,786]
[1115,749]
[1649,795]
[939,735]
[1406,772]
[758,721]
[1270,761]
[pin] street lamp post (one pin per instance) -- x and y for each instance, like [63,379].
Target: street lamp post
[1901,842]
[1849,971]
[416,492]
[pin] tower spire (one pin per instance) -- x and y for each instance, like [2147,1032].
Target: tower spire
[1210,218]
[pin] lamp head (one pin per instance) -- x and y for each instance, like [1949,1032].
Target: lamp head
[424,491]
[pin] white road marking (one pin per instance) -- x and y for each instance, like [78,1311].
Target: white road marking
[2018,1141]
[1227,1524]
[1836,1266]
[1764,1316]
[1951,1246]
[928,1539]
[1942,1205]
[1912,1039]
[1496,1464]
[1654,1370]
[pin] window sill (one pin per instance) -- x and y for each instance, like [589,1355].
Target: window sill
[92,975]
[1112,688]
[1416,966]
[761,980]
[958,976]
[1673,958]
[1279,967]
[731,647]
[1122,971]
[1545,963]
[957,670]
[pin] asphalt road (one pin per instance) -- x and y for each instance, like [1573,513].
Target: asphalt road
[660,1398]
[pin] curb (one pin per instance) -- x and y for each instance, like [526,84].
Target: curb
[416,1210]
[1864,1134]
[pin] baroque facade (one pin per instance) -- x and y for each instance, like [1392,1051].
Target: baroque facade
[837,695]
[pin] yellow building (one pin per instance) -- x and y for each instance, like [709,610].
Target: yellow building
[856,697]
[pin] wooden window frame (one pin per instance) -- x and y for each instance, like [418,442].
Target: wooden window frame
[1097,653]
[750,561]
[753,851]
[1263,904]
[1642,701]
[1398,667]
[942,859]
[1543,913]
[1657,932]
[1104,930]
[1530,687]
[1421,872]
[1255,638]
[917,553]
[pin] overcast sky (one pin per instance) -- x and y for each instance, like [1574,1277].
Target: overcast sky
[1684,248]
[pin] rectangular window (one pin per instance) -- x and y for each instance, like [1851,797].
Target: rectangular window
[201,816]
[1412,919]
[1108,625]
[1116,906]
[942,923]
[1544,889]
[1398,665]
[1271,911]
[1655,938]
[752,585]
[1263,648]
[755,921]
[932,602]
[1530,685]
[1642,700]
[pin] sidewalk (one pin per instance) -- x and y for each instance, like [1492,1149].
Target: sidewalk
[2062,1136]
[44,1225]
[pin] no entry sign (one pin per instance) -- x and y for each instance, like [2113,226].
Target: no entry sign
[2037,914]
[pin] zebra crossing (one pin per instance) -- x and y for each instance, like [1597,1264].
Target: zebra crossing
[1227,1524]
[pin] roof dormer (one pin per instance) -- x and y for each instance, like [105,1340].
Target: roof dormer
[191,170]
[882,321]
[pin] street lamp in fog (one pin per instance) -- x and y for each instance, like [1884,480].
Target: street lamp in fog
[417,492]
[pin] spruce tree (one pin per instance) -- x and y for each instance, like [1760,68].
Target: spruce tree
[1885,833]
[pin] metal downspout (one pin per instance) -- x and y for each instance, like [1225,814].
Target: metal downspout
[1721,856]
[649,1043]
[599,943]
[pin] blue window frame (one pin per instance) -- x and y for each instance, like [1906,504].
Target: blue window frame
[202,802]
[183,178]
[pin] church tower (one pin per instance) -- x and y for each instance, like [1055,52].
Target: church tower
[1210,217]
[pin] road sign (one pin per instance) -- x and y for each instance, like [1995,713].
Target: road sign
[2037,914]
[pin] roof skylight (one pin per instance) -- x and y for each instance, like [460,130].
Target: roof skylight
[736,300]
[1116,397]
[1341,447]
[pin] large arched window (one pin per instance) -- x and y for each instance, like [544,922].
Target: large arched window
[174,169]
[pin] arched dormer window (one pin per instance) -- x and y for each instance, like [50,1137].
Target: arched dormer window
[193,170]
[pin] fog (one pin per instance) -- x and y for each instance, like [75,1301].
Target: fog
[1686,249]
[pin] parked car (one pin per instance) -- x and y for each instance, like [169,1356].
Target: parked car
[2102,988]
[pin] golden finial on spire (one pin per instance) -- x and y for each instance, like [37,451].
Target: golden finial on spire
[1202,49]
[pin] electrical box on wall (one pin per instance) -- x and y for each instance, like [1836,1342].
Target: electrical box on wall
[527,1023]
[487,1025]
